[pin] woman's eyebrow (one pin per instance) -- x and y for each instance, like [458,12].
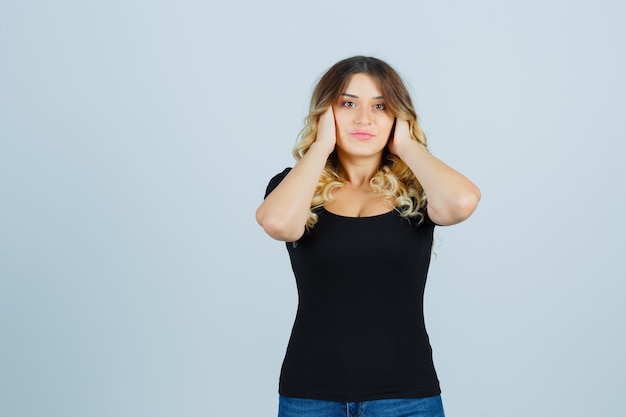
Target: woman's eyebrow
[353,96]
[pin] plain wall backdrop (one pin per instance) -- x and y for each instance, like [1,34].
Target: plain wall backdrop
[136,141]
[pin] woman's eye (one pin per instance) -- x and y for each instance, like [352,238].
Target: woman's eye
[349,104]
[379,106]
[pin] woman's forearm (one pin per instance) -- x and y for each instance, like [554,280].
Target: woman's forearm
[450,195]
[284,213]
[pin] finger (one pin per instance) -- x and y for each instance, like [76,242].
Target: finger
[326,116]
[402,129]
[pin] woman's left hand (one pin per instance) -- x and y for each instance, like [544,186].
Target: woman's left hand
[401,138]
[451,196]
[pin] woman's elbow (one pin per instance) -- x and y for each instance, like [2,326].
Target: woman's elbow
[457,210]
[277,227]
[466,204]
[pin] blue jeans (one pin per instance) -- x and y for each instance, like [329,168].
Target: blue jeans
[404,407]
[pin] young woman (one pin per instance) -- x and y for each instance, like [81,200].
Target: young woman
[357,212]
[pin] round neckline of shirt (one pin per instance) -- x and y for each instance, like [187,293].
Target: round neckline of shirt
[362,217]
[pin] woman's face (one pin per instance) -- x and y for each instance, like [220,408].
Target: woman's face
[362,121]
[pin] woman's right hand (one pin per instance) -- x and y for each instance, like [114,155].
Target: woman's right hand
[326,132]
[285,211]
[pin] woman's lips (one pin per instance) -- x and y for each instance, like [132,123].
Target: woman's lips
[362,134]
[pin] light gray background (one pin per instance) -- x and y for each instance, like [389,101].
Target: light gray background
[137,138]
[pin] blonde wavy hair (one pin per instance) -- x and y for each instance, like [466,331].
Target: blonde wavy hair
[393,180]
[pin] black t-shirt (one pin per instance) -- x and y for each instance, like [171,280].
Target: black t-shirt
[359,331]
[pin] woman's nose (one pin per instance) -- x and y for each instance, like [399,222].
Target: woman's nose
[362,116]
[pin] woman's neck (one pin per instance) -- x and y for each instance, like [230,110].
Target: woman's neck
[359,171]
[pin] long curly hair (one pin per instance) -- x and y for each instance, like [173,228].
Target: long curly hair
[393,180]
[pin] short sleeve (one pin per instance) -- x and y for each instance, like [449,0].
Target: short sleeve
[277,179]
[427,218]
[422,220]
